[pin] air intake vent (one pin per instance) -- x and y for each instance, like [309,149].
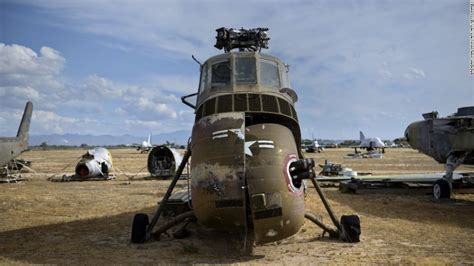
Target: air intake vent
[224,103]
[210,107]
[269,103]
[240,102]
[254,102]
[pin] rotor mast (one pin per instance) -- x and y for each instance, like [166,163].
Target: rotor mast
[251,40]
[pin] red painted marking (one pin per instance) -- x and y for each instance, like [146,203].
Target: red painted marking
[287,177]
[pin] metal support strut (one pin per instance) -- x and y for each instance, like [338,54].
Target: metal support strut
[163,202]
[349,228]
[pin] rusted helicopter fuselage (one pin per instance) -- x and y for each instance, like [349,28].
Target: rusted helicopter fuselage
[245,137]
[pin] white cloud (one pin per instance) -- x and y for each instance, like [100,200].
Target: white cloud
[354,64]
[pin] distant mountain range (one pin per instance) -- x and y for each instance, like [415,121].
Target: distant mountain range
[178,137]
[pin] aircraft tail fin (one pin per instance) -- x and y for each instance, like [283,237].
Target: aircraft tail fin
[23,130]
[149,139]
[362,137]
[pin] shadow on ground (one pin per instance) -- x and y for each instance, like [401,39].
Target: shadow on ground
[106,240]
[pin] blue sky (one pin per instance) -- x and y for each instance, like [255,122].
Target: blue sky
[120,67]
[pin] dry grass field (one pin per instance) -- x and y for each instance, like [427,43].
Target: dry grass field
[89,222]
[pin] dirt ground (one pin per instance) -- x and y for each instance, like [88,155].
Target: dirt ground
[90,222]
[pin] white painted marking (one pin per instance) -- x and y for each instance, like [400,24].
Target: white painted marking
[266,141]
[220,136]
[247,147]
[220,132]
[265,146]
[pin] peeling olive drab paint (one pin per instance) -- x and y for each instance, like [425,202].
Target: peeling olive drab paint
[218,174]
[277,210]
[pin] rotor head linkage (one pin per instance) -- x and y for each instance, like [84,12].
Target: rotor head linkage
[245,40]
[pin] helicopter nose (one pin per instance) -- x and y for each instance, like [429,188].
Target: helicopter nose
[410,133]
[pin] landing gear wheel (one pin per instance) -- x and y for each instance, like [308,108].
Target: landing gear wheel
[139,226]
[351,225]
[441,189]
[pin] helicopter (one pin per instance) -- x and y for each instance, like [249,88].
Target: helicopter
[448,140]
[247,172]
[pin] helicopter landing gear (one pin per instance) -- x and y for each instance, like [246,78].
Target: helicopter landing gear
[442,189]
[139,228]
[142,231]
[348,228]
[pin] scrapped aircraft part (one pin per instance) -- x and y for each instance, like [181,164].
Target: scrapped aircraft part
[183,217]
[178,203]
[12,147]
[166,197]
[96,162]
[11,178]
[367,155]
[77,178]
[19,165]
[163,161]
[422,184]
[448,140]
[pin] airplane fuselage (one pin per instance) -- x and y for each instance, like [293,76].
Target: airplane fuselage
[10,148]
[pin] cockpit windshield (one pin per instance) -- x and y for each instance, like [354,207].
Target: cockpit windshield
[269,73]
[220,75]
[245,70]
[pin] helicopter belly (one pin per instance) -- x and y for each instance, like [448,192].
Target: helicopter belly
[217,171]
[229,157]
[276,204]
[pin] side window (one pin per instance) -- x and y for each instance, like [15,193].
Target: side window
[220,75]
[269,73]
[245,72]
[203,84]
[285,78]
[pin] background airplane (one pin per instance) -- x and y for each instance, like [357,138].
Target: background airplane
[370,144]
[11,147]
[146,145]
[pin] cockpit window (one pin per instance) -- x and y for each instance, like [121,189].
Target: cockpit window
[220,73]
[269,73]
[202,86]
[245,72]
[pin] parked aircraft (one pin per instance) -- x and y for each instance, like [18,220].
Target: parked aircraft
[146,145]
[314,147]
[370,144]
[448,140]
[247,169]
[11,147]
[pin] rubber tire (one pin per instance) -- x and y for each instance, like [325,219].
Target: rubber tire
[441,189]
[351,225]
[139,227]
